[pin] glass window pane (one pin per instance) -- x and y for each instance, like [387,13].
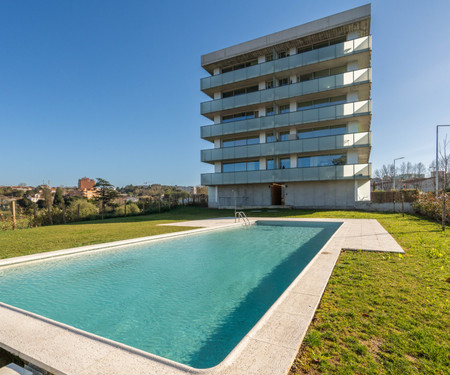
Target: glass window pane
[253,165]
[285,163]
[270,164]
[229,143]
[284,136]
[228,167]
[239,167]
[253,141]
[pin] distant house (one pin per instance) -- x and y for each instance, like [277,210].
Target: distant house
[86,188]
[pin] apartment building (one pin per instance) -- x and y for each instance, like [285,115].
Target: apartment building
[290,116]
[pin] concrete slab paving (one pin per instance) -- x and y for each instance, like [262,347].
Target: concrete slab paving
[269,348]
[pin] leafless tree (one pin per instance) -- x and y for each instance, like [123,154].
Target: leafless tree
[403,168]
[420,169]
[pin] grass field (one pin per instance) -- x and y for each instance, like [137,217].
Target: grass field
[380,313]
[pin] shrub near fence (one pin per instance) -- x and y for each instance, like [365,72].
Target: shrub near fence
[427,204]
[409,195]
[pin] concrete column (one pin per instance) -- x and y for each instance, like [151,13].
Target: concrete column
[262,137]
[292,134]
[294,159]
[353,127]
[217,71]
[293,78]
[352,97]
[292,51]
[261,59]
[217,143]
[261,112]
[262,85]
[262,164]
[217,95]
[218,167]
[217,119]
[292,106]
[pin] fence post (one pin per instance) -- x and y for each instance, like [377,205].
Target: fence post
[13,206]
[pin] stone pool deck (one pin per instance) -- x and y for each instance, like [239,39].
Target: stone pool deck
[269,348]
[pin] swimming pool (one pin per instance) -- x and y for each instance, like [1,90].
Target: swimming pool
[189,299]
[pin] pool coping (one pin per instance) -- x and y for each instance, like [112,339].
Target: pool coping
[270,347]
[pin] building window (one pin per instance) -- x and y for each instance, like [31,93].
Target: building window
[270,137]
[322,160]
[239,116]
[284,136]
[240,142]
[269,111]
[283,54]
[322,132]
[322,73]
[321,102]
[269,84]
[237,92]
[239,66]
[269,57]
[241,166]
[270,164]
[285,163]
[283,82]
[284,108]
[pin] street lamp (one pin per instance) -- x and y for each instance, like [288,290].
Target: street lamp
[394,168]
[436,172]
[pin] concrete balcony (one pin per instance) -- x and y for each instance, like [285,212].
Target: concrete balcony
[335,51]
[333,172]
[333,112]
[327,143]
[348,79]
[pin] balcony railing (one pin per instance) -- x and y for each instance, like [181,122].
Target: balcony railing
[326,143]
[295,61]
[332,112]
[355,77]
[333,172]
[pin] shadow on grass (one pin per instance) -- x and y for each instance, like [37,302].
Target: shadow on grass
[180,213]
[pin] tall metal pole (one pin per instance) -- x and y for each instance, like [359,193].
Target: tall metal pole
[436,172]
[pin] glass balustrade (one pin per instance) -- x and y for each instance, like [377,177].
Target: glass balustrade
[295,61]
[333,112]
[355,77]
[334,172]
[334,142]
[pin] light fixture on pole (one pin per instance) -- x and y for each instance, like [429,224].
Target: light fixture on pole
[436,171]
[394,168]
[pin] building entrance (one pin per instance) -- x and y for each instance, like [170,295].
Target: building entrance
[277,195]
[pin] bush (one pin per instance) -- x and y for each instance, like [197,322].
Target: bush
[132,209]
[427,204]
[87,210]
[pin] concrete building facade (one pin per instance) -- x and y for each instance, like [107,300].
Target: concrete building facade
[291,115]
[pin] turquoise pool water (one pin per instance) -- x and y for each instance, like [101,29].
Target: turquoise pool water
[190,299]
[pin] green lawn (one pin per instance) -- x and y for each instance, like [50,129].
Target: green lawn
[380,314]
[41,239]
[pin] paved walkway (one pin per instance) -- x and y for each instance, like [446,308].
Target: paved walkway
[268,349]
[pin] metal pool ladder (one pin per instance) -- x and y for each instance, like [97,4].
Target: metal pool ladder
[241,215]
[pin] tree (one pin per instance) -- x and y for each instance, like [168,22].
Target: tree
[403,169]
[48,202]
[107,193]
[58,200]
[420,169]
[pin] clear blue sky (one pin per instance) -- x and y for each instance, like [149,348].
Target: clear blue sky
[107,88]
